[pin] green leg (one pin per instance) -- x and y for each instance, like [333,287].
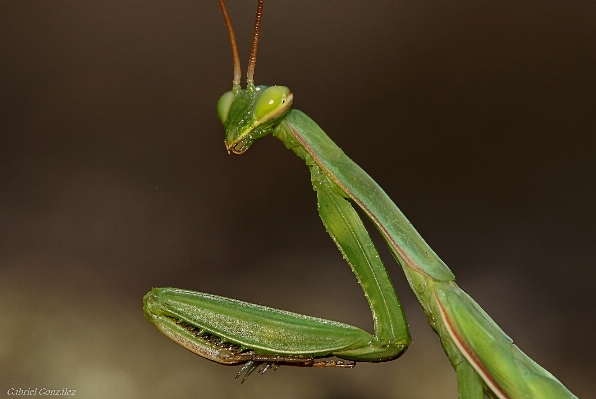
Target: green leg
[469,383]
[349,234]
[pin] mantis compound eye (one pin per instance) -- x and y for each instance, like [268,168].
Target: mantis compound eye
[273,102]
[223,106]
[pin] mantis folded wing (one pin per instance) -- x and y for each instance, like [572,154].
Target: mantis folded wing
[232,332]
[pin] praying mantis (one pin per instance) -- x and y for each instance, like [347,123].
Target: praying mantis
[228,331]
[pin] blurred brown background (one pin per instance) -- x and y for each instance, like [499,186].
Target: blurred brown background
[478,118]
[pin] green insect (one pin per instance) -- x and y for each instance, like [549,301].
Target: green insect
[229,331]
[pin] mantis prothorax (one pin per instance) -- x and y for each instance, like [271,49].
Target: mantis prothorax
[229,331]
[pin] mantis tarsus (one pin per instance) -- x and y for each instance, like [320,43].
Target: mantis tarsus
[228,331]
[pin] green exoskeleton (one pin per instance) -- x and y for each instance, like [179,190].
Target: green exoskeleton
[228,331]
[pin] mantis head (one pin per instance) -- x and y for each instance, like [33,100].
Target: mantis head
[252,113]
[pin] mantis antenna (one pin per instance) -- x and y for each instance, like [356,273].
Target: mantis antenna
[235,56]
[252,60]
